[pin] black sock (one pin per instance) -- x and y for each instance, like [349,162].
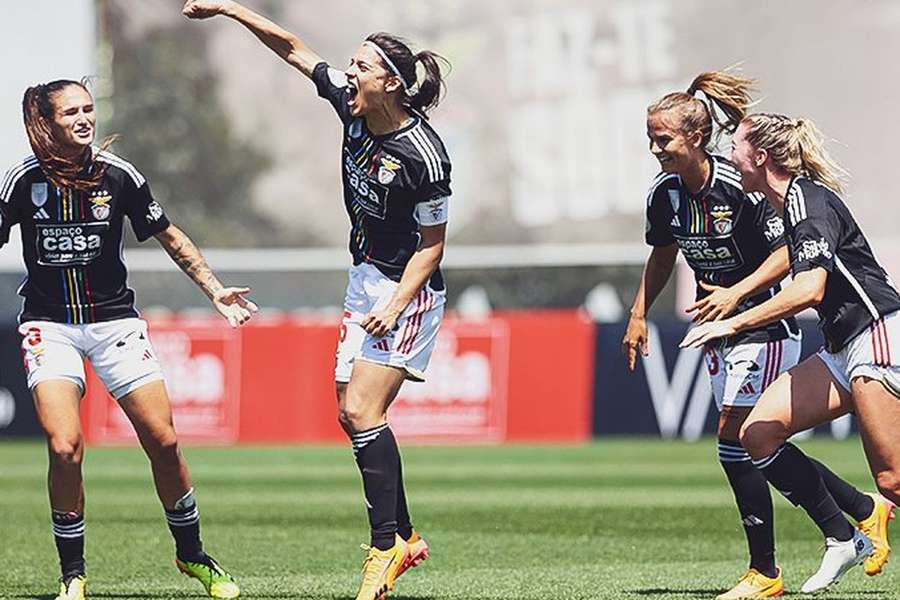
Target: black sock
[754,502]
[404,523]
[68,532]
[795,476]
[378,460]
[184,523]
[848,498]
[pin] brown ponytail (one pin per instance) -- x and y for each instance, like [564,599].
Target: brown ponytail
[419,96]
[728,92]
[80,173]
[796,146]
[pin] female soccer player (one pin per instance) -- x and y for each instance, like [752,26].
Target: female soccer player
[396,178]
[835,272]
[734,244]
[70,200]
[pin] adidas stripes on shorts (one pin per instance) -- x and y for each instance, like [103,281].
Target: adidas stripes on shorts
[873,353]
[739,374]
[408,346]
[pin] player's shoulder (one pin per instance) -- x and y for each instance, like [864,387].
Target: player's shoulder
[421,144]
[805,196]
[662,184]
[726,175]
[119,168]
[19,171]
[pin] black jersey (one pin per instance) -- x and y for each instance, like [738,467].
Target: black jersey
[72,241]
[723,233]
[385,178]
[822,232]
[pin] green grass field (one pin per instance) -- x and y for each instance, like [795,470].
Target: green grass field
[623,519]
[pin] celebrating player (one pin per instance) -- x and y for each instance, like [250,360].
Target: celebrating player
[734,243]
[70,200]
[835,272]
[396,178]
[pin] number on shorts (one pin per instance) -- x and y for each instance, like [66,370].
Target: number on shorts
[33,336]
[347,315]
[712,362]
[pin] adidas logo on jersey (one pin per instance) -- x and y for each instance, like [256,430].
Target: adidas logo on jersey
[675,222]
[41,214]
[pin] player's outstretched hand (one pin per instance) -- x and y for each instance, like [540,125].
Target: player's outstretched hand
[720,303]
[231,304]
[204,9]
[707,332]
[635,340]
[380,322]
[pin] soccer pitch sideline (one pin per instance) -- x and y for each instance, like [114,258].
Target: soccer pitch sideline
[624,519]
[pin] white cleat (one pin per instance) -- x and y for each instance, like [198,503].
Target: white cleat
[839,558]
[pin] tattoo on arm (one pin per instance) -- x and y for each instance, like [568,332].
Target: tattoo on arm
[189,259]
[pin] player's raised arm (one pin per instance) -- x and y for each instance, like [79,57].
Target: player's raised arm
[282,42]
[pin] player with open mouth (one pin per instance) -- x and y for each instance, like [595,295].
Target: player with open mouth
[396,179]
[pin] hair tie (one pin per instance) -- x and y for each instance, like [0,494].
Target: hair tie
[391,66]
[704,100]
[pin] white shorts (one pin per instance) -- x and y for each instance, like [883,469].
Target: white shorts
[739,374]
[408,347]
[120,353]
[874,353]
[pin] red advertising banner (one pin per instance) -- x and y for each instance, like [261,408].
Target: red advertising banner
[201,362]
[516,376]
[465,395]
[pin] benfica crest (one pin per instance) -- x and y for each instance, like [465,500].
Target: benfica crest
[388,169]
[385,175]
[100,205]
[723,223]
[723,226]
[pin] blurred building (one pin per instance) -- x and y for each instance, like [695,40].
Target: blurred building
[544,120]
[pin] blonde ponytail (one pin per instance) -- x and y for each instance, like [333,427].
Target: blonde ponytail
[816,161]
[730,93]
[796,146]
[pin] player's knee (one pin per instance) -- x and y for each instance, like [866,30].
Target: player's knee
[340,391]
[888,482]
[164,448]
[762,438]
[352,419]
[66,451]
[356,413]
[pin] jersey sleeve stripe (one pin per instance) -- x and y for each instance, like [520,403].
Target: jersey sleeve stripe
[13,176]
[728,176]
[796,205]
[427,154]
[731,182]
[428,144]
[658,182]
[756,197]
[123,164]
[415,142]
[727,168]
